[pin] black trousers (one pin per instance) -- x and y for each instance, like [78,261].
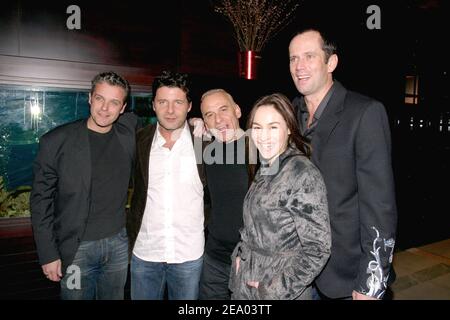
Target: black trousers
[214,279]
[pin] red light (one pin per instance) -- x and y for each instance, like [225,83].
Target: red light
[249,65]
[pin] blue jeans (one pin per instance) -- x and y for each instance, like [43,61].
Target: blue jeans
[98,271]
[149,279]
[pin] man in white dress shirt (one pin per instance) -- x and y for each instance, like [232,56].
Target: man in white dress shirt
[166,221]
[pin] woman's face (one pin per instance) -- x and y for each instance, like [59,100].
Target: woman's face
[269,132]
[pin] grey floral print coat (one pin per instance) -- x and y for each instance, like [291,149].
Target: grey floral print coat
[286,238]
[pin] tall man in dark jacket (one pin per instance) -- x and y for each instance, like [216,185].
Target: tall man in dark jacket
[81,177]
[351,146]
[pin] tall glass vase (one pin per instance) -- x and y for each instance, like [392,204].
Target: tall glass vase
[249,64]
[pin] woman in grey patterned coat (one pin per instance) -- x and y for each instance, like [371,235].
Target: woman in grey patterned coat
[286,238]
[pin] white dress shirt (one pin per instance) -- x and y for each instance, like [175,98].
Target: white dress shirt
[172,225]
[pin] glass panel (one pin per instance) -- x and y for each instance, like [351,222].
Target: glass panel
[410,87]
[410,100]
[25,115]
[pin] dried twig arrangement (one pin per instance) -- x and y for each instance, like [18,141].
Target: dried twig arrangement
[256,21]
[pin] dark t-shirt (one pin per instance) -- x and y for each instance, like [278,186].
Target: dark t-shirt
[227,180]
[111,169]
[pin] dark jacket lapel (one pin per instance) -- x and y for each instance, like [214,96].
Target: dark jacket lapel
[82,154]
[144,146]
[329,120]
[124,141]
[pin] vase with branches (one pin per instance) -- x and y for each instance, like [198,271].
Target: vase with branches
[255,22]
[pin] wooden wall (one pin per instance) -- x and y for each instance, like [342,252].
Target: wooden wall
[139,42]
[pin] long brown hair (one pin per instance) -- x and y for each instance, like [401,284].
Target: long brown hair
[284,107]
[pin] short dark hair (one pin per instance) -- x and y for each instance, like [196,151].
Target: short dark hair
[113,79]
[172,80]
[328,46]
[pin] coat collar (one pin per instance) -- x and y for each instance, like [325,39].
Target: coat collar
[144,145]
[83,153]
[329,119]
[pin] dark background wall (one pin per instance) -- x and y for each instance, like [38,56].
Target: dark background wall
[140,40]
[137,38]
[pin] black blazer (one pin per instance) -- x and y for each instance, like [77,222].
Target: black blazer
[144,139]
[352,148]
[60,196]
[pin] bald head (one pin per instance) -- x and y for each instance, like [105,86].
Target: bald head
[221,114]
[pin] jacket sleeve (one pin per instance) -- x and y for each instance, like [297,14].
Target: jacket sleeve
[42,203]
[376,194]
[308,207]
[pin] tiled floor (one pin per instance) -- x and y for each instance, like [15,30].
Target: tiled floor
[423,273]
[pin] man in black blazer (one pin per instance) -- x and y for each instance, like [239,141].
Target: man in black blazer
[351,146]
[81,177]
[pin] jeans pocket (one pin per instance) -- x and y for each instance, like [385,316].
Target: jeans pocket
[123,234]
